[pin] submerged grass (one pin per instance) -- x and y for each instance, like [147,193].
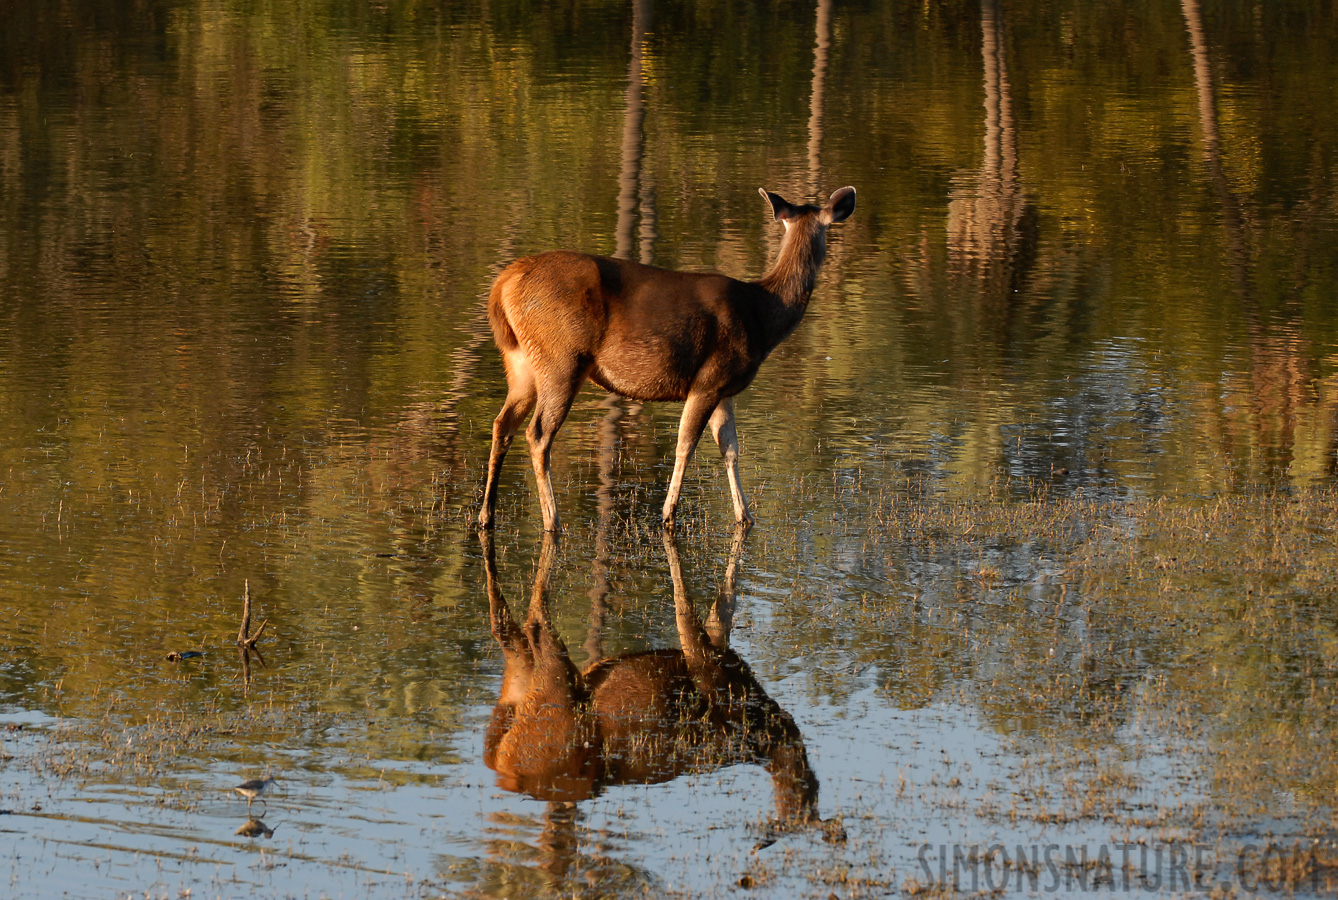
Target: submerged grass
[1154,667]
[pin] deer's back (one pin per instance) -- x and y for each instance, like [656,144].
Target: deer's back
[655,722]
[645,332]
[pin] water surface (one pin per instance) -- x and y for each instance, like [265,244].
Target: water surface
[1044,481]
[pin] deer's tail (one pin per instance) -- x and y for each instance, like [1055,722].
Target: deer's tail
[502,333]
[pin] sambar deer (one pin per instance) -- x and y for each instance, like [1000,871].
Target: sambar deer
[562,734]
[647,334]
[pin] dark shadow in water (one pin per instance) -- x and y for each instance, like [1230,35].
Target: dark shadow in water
[563,735]
[636,200]
[822,43]
[253,827]
[636,192]
[992,225]
[1281,362]
[245,654]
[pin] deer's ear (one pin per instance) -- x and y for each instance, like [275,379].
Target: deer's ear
[779,207]
[840,206]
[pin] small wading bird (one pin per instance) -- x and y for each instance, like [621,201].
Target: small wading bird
[647,334]
[253,789]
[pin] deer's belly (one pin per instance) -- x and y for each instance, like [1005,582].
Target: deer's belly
[665,368]
[645,371]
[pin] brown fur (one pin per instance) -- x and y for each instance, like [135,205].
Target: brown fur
[648,334]
[642,718]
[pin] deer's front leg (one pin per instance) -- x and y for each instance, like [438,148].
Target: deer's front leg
[696,410]
[727,438]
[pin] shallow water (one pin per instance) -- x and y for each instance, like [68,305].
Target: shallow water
[1044,481]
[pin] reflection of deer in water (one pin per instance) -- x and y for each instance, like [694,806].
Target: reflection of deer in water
[643,718]
[992,227]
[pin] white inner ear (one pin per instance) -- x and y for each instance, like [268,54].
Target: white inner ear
[786,223]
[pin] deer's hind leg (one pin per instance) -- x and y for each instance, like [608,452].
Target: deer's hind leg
[557,388]
[520,399]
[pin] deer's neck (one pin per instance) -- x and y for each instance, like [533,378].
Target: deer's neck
[790,281]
